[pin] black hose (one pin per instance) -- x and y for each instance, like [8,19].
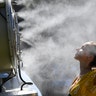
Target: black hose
[3,16]
[4,80]
[24,82]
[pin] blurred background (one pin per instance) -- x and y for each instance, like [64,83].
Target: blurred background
[52,30]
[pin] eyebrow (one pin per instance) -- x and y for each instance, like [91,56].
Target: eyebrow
[83,46]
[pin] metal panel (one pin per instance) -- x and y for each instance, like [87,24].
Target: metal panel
[5,61]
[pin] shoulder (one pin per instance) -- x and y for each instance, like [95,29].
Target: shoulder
[91,82]
[92,78]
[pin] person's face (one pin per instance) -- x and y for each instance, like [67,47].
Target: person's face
[83,53]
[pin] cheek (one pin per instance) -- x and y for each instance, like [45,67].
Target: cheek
[80,52]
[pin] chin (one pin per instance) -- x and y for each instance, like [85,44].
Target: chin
[76,57]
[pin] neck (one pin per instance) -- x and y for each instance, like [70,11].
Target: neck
[84,70]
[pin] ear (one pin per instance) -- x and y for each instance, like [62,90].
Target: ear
[90,58]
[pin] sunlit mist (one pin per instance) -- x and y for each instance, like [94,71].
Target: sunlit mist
[54,29]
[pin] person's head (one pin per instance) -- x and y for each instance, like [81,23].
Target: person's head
[87,53]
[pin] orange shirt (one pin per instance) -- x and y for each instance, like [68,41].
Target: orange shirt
[85,85]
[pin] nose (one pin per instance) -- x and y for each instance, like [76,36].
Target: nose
[78,49]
